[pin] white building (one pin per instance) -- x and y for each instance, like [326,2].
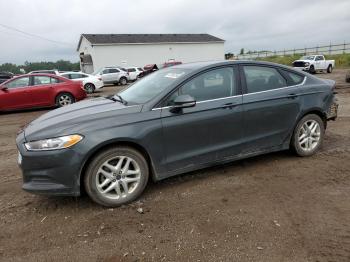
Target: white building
[100,50]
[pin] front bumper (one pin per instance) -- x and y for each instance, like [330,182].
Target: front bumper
[306,68]
[55,172]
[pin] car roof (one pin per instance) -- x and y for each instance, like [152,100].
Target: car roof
[201,65]
[73,72]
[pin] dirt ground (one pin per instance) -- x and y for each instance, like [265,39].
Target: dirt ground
[276,207]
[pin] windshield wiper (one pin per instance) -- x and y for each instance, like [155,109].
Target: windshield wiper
[118,98]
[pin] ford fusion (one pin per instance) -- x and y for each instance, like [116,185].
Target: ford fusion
[176,120]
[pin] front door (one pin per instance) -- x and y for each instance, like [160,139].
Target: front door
[270,107]
[209,131]
[16,94]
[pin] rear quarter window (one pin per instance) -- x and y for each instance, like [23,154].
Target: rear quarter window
[293,78]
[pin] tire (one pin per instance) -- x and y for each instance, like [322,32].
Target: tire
[89,88]
[312,70]
[106,186]
[305,141]
[123,81]
[329,69]
[64,99]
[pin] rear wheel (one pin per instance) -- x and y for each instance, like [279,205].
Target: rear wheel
[308,135]
[89,88]
[64,99]
[116,176]
[329,69]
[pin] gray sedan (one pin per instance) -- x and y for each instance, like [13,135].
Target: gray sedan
[176,120]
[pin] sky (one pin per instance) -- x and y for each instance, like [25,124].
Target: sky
[52,28]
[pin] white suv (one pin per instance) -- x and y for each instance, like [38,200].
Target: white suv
[90,82]
[113,75]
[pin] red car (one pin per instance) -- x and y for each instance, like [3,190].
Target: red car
[39,90]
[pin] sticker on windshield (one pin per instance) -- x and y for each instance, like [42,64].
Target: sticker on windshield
[174,75]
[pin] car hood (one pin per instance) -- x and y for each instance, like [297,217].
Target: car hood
[302,61]
[77,118]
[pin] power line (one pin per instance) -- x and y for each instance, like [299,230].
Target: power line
[33,35]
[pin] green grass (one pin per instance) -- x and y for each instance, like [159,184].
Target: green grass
[341,60]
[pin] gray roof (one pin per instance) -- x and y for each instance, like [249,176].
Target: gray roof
[148,38]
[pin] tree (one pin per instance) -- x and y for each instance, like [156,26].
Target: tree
[61,65]
[242,51]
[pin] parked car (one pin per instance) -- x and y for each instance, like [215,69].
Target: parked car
[134,72]
[39,90]
[90,82]
[51,72]
[171,63]
[176,120]
[4,76]
[113,75]
[148,69]
[314,63]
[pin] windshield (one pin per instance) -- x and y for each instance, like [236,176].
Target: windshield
[152,85]
[307,57]
[97,72]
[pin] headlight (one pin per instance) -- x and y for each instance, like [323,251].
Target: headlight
[53,143]
[307,64]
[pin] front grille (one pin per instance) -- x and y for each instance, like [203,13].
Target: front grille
[299,64]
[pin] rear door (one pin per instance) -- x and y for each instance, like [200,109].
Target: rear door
[16,95]
[209,131]
[271,106]
[41,90]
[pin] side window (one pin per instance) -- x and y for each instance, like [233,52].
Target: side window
[19,82]
[42,80]
[294,79]
[106,71]
[260,78]
[139,68]
[319,58]
[113,70]
[75,76]
[54,80]
[218,83]
[131,70]
[82,76]
[66,76]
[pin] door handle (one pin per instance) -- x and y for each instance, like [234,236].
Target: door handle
[292,96]
[228,105]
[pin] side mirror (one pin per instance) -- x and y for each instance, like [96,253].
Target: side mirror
[4,88]
[183,101]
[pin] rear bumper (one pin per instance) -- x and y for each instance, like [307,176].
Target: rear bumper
[332,112]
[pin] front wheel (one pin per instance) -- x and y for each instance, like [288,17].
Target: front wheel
[123,81]
[116,176]
[308,135]
[329,69]
[312,70]
[64,99]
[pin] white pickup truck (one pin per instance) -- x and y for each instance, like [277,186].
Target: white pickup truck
[314,63]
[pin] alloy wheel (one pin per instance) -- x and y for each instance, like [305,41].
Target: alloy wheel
[65,100]
[309,135]
[118,177]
